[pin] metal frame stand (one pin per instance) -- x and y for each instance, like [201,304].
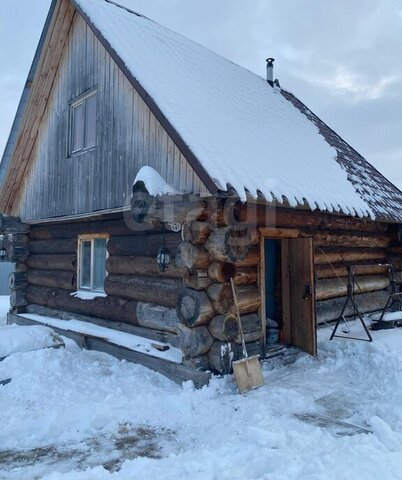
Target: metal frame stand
[394,296]
[356,310]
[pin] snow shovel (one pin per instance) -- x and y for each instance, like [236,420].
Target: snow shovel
[247,371]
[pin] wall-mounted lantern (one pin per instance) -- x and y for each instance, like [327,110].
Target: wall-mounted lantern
[163,257]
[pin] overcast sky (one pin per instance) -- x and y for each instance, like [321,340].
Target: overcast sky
[343,58]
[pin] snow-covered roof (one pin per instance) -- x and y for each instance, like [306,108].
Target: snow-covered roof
[243,132]
[235,130]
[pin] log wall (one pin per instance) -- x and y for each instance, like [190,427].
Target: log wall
[192,301]
[338,242]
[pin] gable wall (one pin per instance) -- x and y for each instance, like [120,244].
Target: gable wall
[128,137]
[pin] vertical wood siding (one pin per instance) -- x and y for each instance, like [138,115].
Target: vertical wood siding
[128,137]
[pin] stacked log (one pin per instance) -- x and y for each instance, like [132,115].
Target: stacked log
[15,242]
[144,289]
[155,316]
[140,265]
[211,256]
[329,310]
[114,308]
[339,241]
[17,283]
[192,299]
[146,245]
[333,288]
[367,251]
[53,262]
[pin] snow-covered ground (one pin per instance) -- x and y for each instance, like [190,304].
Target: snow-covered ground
[69,414]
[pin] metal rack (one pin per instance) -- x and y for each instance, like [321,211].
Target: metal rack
[356,310]
[395,295]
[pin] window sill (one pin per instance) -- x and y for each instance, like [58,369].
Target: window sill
[88,294]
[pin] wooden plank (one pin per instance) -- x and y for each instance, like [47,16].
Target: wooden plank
[152,334]
[39,97]
[262,287]
[177,372]
[286,307]
[280,232]
[15,319]
[302,322]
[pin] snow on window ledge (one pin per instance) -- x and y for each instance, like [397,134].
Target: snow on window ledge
[87,295]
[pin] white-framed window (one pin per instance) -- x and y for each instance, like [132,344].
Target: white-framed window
[92,255]
[83,123]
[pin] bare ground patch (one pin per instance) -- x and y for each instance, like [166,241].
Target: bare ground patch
[109,451]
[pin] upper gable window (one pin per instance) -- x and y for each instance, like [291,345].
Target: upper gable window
[83,123]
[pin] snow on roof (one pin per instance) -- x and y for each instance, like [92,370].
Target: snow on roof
[154,183]
[244,133]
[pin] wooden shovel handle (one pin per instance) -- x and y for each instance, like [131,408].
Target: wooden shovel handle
[239,319]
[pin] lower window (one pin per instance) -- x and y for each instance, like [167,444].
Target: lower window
[92,255]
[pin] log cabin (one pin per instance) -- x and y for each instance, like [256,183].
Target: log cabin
[143,171]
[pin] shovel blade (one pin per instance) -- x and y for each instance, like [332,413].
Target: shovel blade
[248,374]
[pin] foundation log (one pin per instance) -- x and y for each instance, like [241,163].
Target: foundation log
[194,341]
[221,356]
[199,363]
[224,327]
[154,316]
[112,308]
[252,328]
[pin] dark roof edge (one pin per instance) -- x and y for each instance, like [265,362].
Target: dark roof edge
[343,140]
[152,105]
[12,139]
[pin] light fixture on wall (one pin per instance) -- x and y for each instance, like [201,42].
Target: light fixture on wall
[163,257]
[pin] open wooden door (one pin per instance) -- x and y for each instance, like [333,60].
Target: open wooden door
[299,325]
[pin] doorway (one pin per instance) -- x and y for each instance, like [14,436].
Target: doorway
[287,287]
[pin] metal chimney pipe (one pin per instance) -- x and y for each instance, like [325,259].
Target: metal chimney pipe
[270,71]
